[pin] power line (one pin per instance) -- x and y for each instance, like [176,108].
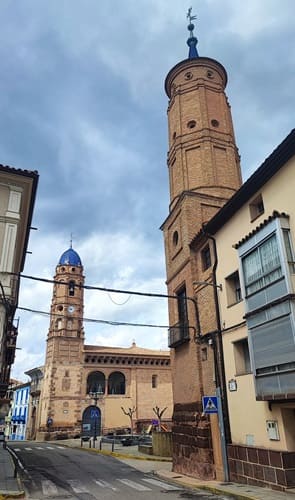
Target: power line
[91,320]
[103,289]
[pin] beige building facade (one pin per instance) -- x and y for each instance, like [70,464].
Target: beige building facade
[17,197]
[89,389]
[255,238]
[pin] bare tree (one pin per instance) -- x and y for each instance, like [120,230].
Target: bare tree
[129,414]
[159,414]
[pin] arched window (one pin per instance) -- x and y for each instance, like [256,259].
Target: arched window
[71,288]
[116,383]
[96,382]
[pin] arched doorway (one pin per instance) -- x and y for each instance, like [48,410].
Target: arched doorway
[91,422]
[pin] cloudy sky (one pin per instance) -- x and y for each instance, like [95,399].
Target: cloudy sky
[82,102]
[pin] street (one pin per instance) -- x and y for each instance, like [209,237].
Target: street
[57,472]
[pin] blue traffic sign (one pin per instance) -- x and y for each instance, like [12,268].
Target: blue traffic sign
[210,404]
[94,413]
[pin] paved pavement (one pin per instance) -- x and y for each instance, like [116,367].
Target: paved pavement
[10,487]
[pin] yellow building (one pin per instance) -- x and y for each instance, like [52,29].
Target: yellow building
[255,240]
[85,387]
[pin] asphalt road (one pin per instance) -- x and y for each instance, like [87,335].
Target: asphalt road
[56,472]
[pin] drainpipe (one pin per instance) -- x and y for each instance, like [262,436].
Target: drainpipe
[219,356]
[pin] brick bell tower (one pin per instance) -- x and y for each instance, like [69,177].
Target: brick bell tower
[61,389]
[204,172]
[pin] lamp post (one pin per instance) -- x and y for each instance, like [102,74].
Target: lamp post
[95,395]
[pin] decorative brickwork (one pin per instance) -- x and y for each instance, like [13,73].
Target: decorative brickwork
[262,467]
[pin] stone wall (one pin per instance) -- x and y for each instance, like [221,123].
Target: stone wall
[262,467]
[162,444]
[192,442]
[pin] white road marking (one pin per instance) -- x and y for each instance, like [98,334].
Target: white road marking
[28,449]
[16,449]
[49,488]
[160,484]
[39,448]
[77,486]
[135,486]
[105,484]
[61,447]
[49,448]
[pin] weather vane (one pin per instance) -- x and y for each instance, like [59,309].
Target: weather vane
[192,40]
[189,15]
[190,19]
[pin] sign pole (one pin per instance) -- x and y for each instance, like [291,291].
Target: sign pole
[222,435]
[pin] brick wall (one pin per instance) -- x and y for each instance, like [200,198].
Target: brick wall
[192,442]
[262,467]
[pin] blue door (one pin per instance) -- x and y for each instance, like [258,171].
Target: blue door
[91,422]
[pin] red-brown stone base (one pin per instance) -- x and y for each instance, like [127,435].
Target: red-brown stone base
[191,442]
[262,467]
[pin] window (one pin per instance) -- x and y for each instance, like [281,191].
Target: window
[272,430]
[154,381]
[206,258]
[242,357]
[256,207]
[71,288]
[289,250]
[262,266]
[96,382]
[116,383]
[182,307]
[233,288]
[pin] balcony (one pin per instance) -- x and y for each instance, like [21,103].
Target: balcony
[178,334]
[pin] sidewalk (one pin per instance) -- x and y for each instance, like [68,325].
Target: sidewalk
[10,486]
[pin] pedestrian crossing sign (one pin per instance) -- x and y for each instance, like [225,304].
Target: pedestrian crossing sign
[210,404]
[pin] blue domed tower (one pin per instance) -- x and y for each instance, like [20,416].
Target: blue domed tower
[61,401]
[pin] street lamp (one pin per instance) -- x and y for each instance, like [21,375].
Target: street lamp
[95,395]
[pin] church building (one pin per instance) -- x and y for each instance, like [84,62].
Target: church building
[91,389]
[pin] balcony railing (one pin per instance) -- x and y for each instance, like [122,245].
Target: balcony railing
[178,334]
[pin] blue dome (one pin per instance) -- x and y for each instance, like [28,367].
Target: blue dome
[70,258]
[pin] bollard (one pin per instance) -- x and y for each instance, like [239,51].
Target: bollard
[113,444]
[100,444]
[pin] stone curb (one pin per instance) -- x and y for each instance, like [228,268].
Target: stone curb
[12,494]
[123,455]
[206,487]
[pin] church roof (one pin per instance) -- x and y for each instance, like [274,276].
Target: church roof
[133,350]
[70,258]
